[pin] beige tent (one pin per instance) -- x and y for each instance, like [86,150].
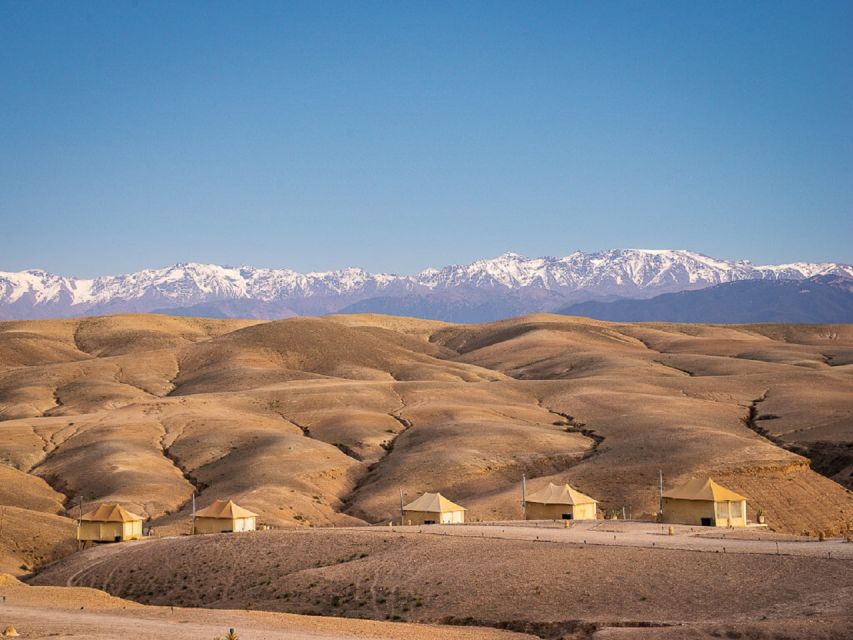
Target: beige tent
[433,508]
[559,502]
[109,523]
[705,503]
[224,516]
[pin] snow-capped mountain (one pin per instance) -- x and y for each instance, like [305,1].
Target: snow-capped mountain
[508,284]
[618,272]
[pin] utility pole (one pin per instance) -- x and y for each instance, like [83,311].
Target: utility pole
[660,475]
[524,496]
[193,529]
[402,512]
[80,544]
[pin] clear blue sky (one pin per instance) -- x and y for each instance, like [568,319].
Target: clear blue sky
[400,135]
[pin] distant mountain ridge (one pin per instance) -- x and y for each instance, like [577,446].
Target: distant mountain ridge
[482,290]
[818,300]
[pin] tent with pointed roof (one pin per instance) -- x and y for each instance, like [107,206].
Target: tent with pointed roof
[224,516]
[433,508]
[559,502]
[109,523]
[703,502]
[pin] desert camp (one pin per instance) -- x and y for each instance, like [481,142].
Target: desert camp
[433,508]
[559,502]
[703,502]
[224,516]
[479,320]
[109,523]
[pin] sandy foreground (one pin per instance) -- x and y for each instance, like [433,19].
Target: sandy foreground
[78,612]
[541,580]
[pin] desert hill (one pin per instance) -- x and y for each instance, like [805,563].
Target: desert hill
[452,575]
[90,614]
[321,421]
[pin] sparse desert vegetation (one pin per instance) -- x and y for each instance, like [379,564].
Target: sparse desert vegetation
[49,612]
[538,581]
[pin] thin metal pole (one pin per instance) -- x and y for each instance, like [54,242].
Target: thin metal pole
[402,513]
[193,529]
[524,496]
[80,543]
[660,473]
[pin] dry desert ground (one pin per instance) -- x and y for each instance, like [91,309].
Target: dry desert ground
[542,580]
[320,422]
[62,612]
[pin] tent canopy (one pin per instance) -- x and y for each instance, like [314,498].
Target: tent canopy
[225,509]
[703,489]
[110,513]
[559,494]
[433,502]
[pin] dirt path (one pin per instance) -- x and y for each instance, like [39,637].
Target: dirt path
[42,612]
[103,553]
[642,535]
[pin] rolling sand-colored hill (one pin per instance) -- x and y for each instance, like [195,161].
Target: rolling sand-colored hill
[321,421]
[31,539]
[502,577]
[90,614]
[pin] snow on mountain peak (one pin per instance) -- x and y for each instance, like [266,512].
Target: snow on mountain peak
[612,272]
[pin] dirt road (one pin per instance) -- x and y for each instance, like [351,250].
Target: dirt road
[644,535]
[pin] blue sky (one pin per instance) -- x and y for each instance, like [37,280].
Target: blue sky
[400,135]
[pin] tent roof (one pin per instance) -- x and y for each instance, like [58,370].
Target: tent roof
[703,489]
[110,513]
[433,502]
[559,494]
[225,509]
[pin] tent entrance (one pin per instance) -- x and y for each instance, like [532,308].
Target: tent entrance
[429,521]
[567,516]
[707,522]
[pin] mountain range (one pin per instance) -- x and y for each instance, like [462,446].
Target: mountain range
[508,285]
[820,299]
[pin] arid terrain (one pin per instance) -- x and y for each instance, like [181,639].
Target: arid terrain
[543,580]
[50,612]
[319,422]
